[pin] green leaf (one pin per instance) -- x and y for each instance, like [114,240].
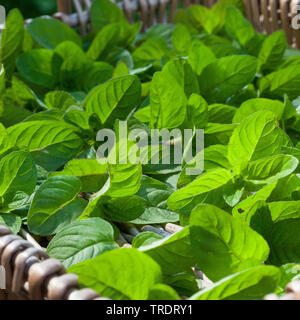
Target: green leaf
[285,242]
[145,238]
[49,32]
[104,12]
[270,169]
[5,143]
[98,73]
[40,67]
[253,283]
[256,137]
[162,292]
[51,143]
[59,100]
[12,115]
[233,192]
[225,77]
[200,56]
[124,181]
[103,42]
[163,31]
[55,205]
[184,283]
[2,79]
[126,178]
[216,157]
[173,253]
[12,40]
[282,210]
[271,53]
[259,218]
[202,17]
[82,240]
[181,38]
[150,51]
[222,244]
[92,174]
[167,98]
[123,208]
[221,113]
[185,199]
[12,221]
[18,180]
[23,95]
[260,104]
[120,95]
[281,82]
[237,26]
[110,274]
[261,195]
[197,112]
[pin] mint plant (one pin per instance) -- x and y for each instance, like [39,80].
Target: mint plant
[64,97]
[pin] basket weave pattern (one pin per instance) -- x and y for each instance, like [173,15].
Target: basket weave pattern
[266,15]
[30,273]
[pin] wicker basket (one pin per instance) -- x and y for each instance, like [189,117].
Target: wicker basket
[266,15]
[30,273]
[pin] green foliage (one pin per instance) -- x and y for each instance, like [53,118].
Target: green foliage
[238,219]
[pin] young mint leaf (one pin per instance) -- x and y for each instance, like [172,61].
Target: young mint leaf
[251,283]
[5,143]
[155,194]
[167,99]
[59,100]
[281,82]
[268,170]
[18,180]
[200,56]
[49,32]
[238,27]
[104,12]
[197,112]
[271,53]
[55,205]
[285,242]
[116,97]
[82,240]
[40,67]
[92,174]
[123,208]
[96,74]
[12,40]
[51,143]
[282,210]
[145,238]
[12,221]
[173,253]
[225,77]
[232,245]
[103,42]
[162,292]
[185,199]
[259,104]
[150,51]
[110,274]
[221,113]
[181,38]
[256,137]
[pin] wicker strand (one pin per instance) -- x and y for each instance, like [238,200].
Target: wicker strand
[265,15]
[31,274]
